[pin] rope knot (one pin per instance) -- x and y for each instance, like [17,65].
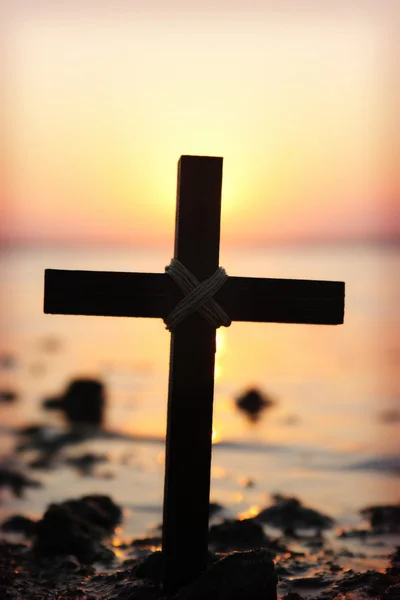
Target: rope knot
[198,296]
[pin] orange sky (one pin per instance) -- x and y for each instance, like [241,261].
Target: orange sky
[101,103]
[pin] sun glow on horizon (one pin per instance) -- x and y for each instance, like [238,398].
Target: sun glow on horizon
[98,124]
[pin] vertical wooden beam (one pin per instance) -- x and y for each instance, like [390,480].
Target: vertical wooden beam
[191,380]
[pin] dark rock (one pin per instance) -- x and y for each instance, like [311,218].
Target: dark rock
[237,535]
[147,542]
[288,514]
[8,396]
[76,527]
[395,557]
[247,483]
[390,415]
[392,592]
[150,568]
[7,361]
[374,582]
[384,518]
[82,403]
[43,462]
[360,534]
[49,442]
[252,403]
[69,562]
[17,482]
[292,596]
[62,532]
[19,524]
[311,582]
[98,510]
[85,463]
[237,576]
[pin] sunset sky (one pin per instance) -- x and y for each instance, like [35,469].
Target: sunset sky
[100,103]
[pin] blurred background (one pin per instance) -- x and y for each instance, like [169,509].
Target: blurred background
[301,99]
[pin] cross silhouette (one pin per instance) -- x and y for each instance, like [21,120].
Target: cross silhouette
[191,378]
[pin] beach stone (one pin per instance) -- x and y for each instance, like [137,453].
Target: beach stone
[19,524]
[7,361]
[85,463]
[385,518]
[237,535]
[389,416]
[82,403]
[373,582]
[392,592]
[8,396]
[98,510]
[76,527]
[49,442]
[62,532]
[237,576]
[17,482]
[146,542]
[252,403]
[289,515]
[151,567]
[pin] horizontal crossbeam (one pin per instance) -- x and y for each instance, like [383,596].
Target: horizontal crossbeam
[155,295]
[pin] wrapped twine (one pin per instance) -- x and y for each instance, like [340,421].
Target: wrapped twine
[198,296]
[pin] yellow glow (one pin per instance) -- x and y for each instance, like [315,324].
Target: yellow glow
[218,472]
[253,511]
[217,370]
[117,541]
[238,497]
[216,436]
[99,139]
[220,341]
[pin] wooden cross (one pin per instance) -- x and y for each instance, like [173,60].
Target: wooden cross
[191,378]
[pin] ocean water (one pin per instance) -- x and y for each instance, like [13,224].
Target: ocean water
[327,440]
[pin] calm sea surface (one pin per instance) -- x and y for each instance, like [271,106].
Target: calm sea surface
[326,441]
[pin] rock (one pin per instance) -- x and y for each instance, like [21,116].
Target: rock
[85,463]
[392,592]
[147,542]
[288,514]
[361,534]
[49,442]
[237,535]
[247,482]
[315,581]
[252,403]
[373,582]
[385,518]
[17,482]
[45,462]
[389,416]
[237,576]
[19,524]
[76,527]
[62,532]
[7,361]
[82,403]
[8,396]
[150,568]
